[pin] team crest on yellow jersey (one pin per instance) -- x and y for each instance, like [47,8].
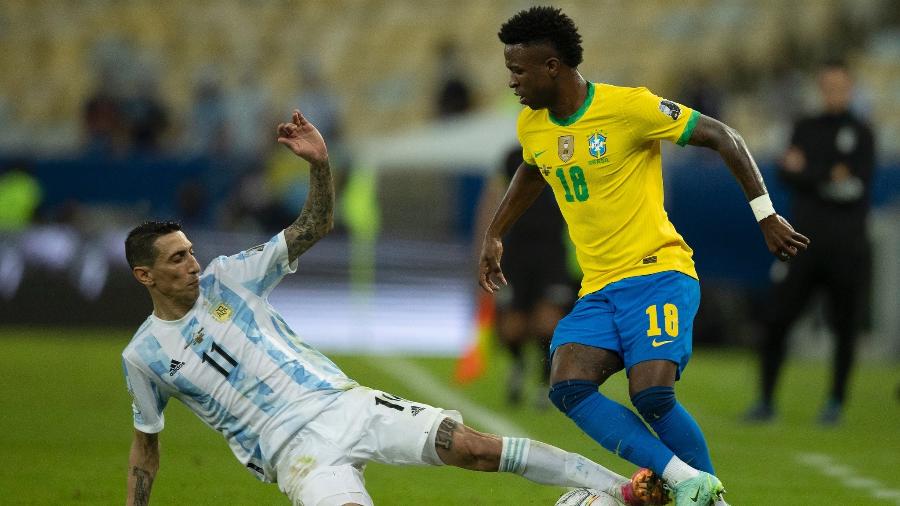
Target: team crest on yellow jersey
[597,145]
[566,147]
[222,312]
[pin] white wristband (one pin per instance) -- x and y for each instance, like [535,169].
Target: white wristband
[762,207]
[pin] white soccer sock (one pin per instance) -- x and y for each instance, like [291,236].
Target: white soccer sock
[677,471]
[549,465]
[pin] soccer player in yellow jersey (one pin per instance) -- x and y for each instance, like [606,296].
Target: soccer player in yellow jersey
[598,147]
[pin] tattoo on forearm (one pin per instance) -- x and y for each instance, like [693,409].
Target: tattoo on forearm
[317,215]
[142,483]
[445,431]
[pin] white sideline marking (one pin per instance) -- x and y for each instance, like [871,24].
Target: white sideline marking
[848,476]
[423,382]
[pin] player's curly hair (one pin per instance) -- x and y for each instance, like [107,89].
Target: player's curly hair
[541,24]
[139,249]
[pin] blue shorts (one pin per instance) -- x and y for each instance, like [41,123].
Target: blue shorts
[641,318]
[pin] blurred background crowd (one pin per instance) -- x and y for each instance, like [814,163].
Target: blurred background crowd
[115,112]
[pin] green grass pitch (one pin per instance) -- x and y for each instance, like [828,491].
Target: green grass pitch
[65,425]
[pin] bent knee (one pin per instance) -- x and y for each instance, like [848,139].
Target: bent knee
[567,395]
[574,361]
[654,403]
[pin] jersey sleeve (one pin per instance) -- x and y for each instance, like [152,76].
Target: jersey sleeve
[527,154]
[528,157]
[260,268]
[652,117]
[147,400]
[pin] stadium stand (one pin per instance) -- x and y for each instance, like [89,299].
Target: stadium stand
[382,53]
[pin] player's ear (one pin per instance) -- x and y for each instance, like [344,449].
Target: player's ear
[143,275]
[552,65]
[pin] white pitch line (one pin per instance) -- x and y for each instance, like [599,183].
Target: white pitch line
[424,383]
[848,476]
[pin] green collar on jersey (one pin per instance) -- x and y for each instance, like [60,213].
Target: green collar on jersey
[579,113]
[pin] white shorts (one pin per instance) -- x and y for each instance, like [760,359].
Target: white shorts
[323,464]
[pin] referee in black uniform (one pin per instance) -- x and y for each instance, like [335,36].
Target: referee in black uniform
[828,169]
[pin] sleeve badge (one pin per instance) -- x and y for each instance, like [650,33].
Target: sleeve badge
[669,108]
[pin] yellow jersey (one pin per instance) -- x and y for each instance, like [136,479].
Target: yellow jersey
[605,168]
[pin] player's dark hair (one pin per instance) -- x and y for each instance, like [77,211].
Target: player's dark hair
[139,249]
[835,64]
[545,25]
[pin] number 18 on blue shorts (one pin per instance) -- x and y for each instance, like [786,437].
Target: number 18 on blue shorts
[641,318]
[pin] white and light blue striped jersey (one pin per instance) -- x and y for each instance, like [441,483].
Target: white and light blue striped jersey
[234,361]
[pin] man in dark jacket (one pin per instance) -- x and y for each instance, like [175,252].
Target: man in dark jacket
[828,168]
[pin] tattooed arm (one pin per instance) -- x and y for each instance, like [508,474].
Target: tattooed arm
[317,216]
[143,462]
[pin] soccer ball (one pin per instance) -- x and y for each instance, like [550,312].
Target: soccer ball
[587,497]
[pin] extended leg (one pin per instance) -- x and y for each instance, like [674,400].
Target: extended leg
[464,447]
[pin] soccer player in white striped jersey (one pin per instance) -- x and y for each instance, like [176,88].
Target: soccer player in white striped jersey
[290,415]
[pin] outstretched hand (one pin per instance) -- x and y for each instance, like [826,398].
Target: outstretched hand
[302,137]
[783,241]
[489,266]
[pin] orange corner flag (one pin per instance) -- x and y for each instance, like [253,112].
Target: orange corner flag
[472,364]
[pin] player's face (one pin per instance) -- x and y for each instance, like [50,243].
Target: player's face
[176,273]
[532,70]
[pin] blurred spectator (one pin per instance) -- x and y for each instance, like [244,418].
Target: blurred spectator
[541,289]
[209,118]
[454,96]
[102,122]
[105,124]
[319,102]
[248,109]
[828,168]
[126,111]
[268,193]
[146,114]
